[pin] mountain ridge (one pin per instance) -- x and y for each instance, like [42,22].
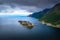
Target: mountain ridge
[51,17]
[39,14]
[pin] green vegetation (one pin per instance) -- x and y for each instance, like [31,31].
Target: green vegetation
[53,16]
[39,14]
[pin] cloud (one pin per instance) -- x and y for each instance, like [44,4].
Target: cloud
[28,5]
[9,7]
[31,2]
[6,9]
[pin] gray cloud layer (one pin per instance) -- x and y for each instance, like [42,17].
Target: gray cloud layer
[30,5]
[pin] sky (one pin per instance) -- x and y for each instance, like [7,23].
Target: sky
[24,7]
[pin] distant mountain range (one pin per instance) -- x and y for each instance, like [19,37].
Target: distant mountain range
[50,16]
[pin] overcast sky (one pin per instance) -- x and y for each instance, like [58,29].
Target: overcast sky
[28,5]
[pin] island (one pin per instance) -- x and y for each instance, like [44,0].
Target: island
[26,24]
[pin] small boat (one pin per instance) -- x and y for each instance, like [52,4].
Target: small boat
[26,24]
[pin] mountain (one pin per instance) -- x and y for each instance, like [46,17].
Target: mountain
[39,14]
[52,17]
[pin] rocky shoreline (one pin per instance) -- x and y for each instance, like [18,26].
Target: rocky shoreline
[49,24]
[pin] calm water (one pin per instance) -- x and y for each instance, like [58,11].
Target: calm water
[11,28]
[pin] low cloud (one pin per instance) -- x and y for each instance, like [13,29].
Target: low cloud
[5,8]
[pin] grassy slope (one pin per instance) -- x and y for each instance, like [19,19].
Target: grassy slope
[53,16]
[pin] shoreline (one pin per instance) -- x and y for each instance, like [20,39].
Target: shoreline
[49,24]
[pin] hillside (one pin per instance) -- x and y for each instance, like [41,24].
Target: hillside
[52,17]
[39,14]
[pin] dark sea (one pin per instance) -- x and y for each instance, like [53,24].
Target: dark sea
[11,29]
